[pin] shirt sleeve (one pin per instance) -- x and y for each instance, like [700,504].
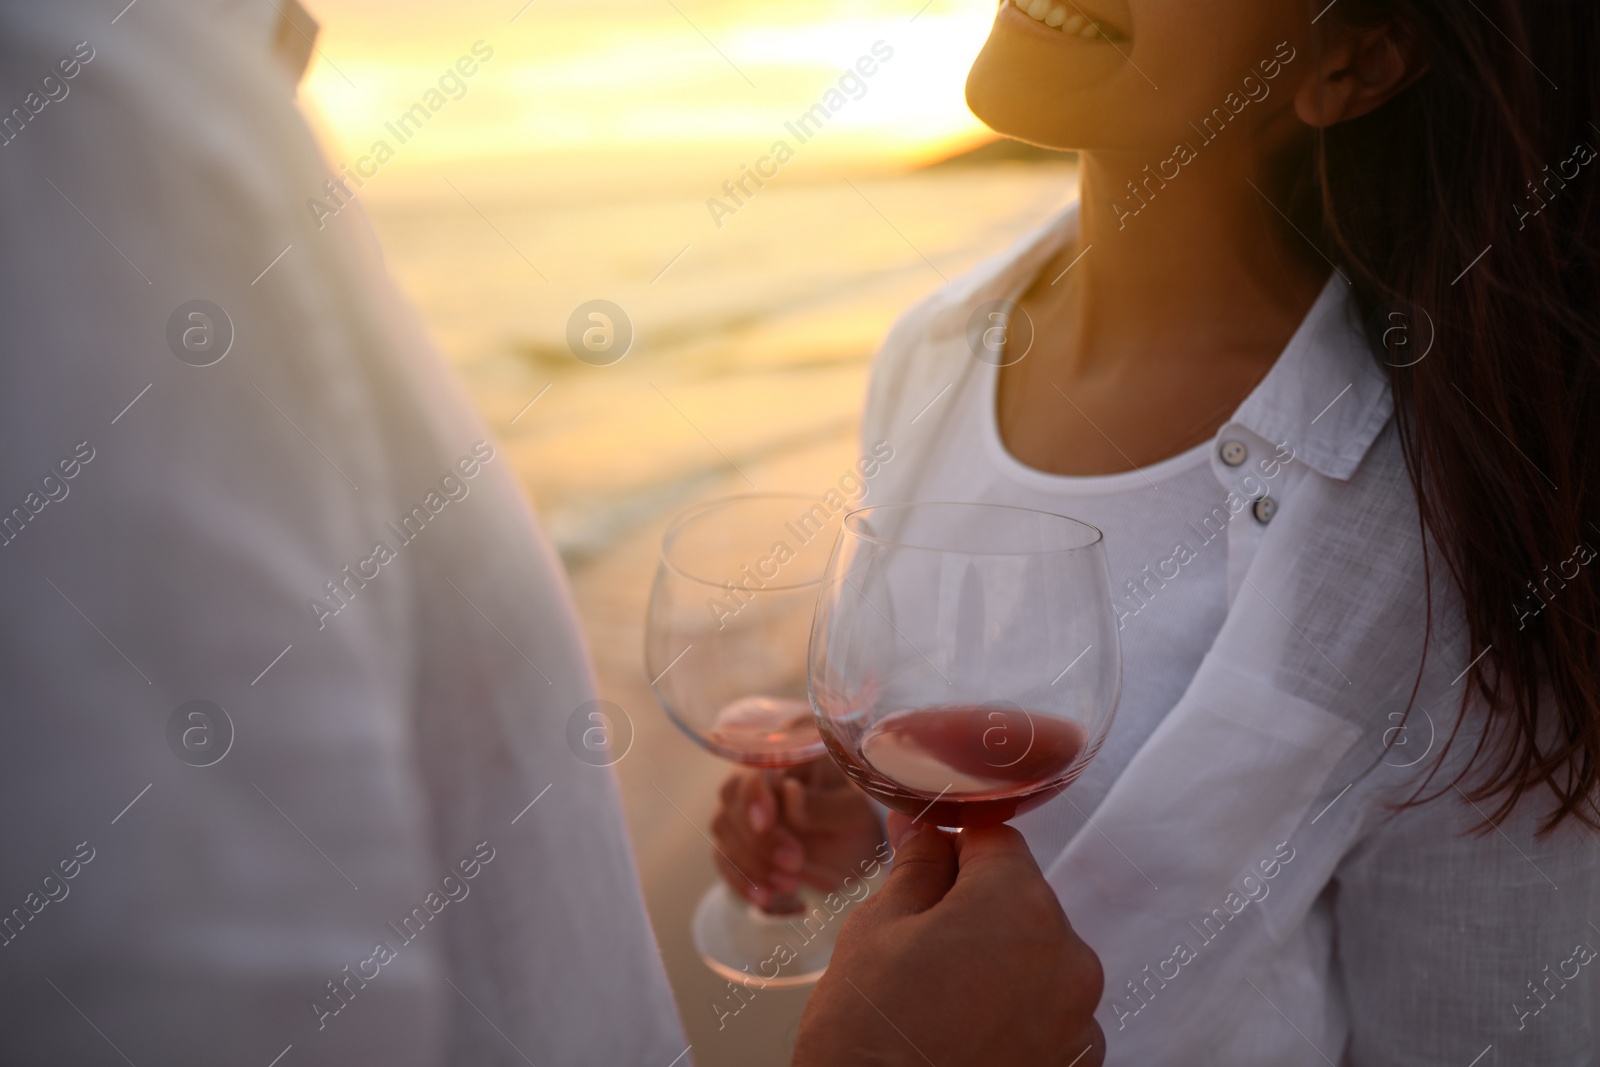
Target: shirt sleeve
[1454,947]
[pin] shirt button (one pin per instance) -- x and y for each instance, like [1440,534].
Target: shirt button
[1264,509]
[1233,453]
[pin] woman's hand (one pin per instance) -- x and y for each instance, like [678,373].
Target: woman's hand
[775,832]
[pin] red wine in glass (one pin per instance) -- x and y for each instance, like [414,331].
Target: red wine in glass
[765,731]
[963,765]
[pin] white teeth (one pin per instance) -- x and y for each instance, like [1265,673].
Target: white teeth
[1076,24]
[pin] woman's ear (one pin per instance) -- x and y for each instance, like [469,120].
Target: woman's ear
[1358,70]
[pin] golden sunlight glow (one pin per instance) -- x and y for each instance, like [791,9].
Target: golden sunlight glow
[641,90]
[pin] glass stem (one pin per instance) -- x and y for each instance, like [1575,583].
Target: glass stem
[781,904]
[784,904]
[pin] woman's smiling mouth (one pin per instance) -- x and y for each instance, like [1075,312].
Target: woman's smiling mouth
[1068,18]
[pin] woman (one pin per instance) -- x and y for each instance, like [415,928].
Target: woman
[1317,350]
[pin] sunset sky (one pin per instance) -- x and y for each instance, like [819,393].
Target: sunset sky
[635,92]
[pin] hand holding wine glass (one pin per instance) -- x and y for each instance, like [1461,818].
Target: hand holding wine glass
[964,957]
[811,826]
[725,644]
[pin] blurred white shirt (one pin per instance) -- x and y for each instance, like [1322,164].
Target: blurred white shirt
[1232,855]
[172,527]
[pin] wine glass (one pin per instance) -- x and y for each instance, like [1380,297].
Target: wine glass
[964,663]
[725,647]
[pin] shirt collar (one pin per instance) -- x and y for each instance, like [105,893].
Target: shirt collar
[1325,395]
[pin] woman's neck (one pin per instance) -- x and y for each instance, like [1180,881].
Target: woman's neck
[1154,325]
[1200,260]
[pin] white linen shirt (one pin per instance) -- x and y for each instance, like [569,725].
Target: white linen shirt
[1251,891]
[227,910]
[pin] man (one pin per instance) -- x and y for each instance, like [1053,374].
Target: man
[289,668]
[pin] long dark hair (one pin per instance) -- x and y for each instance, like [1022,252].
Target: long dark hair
[1467,206]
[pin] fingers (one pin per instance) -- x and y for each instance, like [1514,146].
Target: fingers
[999,889]
[995,854]
[787,830]
[899,827]
[996,864]
[924,870]
[757,855]
[796,810]
[746,797]
[740,881]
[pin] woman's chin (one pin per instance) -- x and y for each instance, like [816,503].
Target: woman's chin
[1011,111]
[1029,89]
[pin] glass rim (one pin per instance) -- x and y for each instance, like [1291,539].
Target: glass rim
[683,518]
[852,519]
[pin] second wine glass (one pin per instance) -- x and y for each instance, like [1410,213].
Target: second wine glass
[725,644]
